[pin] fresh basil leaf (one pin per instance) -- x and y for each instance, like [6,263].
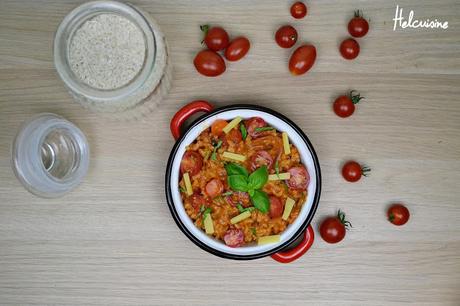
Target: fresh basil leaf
[260,201]
[182,189]
[214,152]
[253,230]
[240,207]
[258,178]
[238,182]
[264,128]
[235,169]
[206,212]
[244,132]
[228,193]
[251,192]
[277,168]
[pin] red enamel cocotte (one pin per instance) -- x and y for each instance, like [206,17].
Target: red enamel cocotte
[298,237]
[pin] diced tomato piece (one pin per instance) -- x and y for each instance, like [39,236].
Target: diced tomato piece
[214,188]
[276,207]
[299,178]
[234,136]
[191,163]
[217,127]
[197,200]
[261,158]
[254,123]
[234,238]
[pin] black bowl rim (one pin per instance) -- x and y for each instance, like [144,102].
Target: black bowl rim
[201,244]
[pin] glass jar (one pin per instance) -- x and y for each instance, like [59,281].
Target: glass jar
[145,91]
[50,155]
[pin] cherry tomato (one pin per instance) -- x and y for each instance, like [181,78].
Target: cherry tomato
[198,200]
[254,123]
[349,48]
[333,229]
[191,163]
[352,171]
[214,188]
[234,238]
[398,214]
[237,49]
[209,63]
[298,10]
[286,36]
[234,136]
[299,178]
[216,38]
[261,158]
[344,106]
[276,207]
[358,26]
[217,127]
[302,59]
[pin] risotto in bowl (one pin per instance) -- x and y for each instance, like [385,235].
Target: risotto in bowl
[243,182]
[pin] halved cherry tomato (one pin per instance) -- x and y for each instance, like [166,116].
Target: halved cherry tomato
[209,63]
[358,26]
[349,48]
[216,38]
[191,163]
[237,49]
[198,200]
[217,127]
[234,238]
[298,10]
[398,214]
[276,207]
[254,123]
[299,178]
[286,36]
[302,59]
[352,171]
[261,158]
[234,136]
[214,188]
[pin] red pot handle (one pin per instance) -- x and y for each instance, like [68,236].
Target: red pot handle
[299,250]
[185,112]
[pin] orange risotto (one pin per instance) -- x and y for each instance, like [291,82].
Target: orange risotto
[242,181]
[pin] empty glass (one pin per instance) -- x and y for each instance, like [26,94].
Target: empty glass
[50,155]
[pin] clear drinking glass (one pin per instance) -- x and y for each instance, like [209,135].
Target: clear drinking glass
[50,155]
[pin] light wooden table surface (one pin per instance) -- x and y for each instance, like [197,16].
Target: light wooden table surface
[113,241]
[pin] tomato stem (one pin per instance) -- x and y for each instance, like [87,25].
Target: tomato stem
[341,216]
[355,98]
[365,170]
[204,28]
[391,217]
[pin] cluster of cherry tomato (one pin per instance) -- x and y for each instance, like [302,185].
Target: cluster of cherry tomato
[209,62]
[357,27]
[303,58]
[333,228]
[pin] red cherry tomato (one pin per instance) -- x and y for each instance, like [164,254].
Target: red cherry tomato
[237,49]
[216,38]
[398,214]
[298,10]
[254,123]
[302,59]
[276,207]
[261,158]
[209,63]
[352,171]
[198,200]
[217,127]
[344,106]
[333,229]
[349,48]
[191,163]
[234,136]
[214,188]
[358,26]
[286,36]
[234,238]
[299,178]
